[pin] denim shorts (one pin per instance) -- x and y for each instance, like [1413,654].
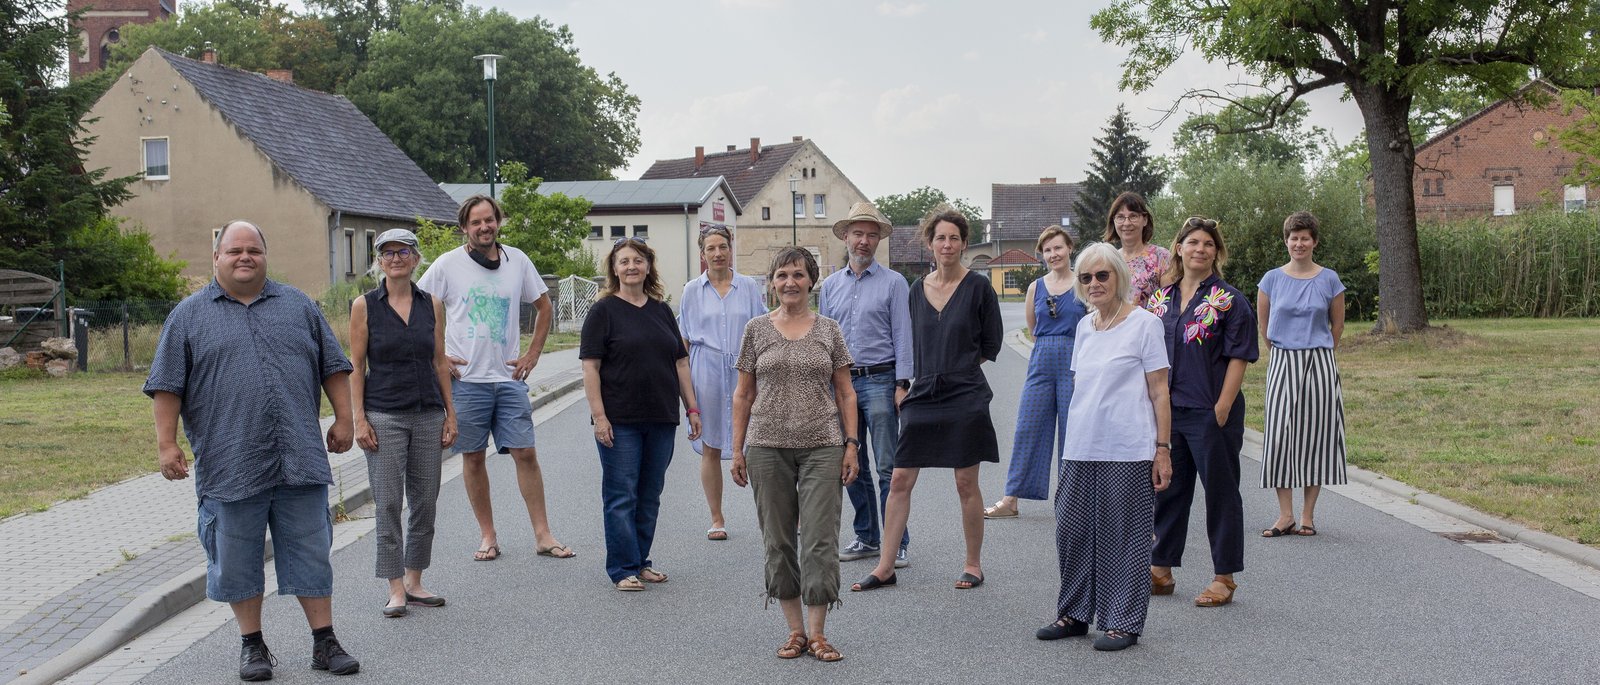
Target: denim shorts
[234,537]
[502,409]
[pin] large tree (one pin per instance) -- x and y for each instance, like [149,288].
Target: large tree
[1121,163]
[907,209]
[1383,53]
[422,87]
[251,35]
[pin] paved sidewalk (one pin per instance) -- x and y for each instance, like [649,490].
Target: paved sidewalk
[96,571]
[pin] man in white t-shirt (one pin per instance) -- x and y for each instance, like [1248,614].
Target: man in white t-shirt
[482,285]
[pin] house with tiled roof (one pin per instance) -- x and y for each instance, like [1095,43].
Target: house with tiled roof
[908,254]
[1008,273]
[1019,212]
[791,194]
[211,143]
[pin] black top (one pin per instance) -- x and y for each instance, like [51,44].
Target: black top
[1216,326]
[638,349]
[964,335]
[400,372]
[944,420]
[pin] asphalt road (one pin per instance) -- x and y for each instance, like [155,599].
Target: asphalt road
[1371,599]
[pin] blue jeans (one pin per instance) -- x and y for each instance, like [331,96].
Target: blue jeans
[878,428]
[234,537]
[502,409]
[633,470]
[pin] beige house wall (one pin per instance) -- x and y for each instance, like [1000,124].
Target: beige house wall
[674,235]
[216,174]
[762,238]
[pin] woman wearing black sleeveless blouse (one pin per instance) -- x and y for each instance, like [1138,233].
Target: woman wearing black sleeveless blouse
[944,420]
[403,414]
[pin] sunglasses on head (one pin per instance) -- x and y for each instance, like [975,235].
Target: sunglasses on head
[625,239]
[1101,276]
[1200,221]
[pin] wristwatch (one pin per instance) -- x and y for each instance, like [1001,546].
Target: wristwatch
[853,441]
[1167,445]
[903,384]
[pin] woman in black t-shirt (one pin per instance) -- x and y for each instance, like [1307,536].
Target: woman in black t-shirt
[635,369]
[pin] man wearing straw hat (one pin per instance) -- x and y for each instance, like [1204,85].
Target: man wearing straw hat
[871,302]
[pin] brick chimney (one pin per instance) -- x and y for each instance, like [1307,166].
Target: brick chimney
[797,139]
[755,150]
[284,75]
[1047,181]
[210,54]
[699,156]
[731,148]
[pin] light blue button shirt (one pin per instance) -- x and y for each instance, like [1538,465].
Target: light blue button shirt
[873,309]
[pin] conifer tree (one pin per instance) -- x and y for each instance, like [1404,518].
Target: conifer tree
[1121,163]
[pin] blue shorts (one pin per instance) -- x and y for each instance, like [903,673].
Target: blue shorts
[502,409]
[234,537]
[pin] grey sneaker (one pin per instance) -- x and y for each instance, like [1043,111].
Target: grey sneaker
[900,560]
[328,655]
[858,550]
[255,662]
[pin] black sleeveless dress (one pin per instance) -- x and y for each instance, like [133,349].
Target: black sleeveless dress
[944,420]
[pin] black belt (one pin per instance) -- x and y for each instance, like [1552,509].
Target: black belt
[860,371]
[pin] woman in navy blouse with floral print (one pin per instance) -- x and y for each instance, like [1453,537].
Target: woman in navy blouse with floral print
[1210,336]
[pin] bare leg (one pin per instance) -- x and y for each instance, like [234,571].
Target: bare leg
[475,476]
[816,619]
[1306,518]
[531,482]
[711,480]
[971,495]
[897,510]
[1285,509]
[319,611]
[413,584]
[1007,503]
[792,614]
[248,613]
[397,593]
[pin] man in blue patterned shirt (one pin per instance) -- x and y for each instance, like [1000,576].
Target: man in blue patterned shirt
[243,361]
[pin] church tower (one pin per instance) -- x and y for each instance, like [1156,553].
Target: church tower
[100,26]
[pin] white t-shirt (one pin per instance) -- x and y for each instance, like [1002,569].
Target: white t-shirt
[482,308]
[1111,418]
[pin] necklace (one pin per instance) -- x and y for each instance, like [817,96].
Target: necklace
[1110,321]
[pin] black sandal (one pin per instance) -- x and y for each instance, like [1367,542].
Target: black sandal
[1280,532]
[872,582]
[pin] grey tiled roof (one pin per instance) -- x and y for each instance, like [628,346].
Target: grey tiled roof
[669,193]
[1020,211]
[321,141]
[744,178]
[906,246]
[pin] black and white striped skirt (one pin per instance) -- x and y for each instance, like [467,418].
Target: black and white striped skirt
[1303,444]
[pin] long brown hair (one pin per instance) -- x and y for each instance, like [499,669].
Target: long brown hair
[1132,202]
[1174,272]
[652,278]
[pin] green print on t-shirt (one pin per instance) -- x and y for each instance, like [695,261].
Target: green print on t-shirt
[488,312]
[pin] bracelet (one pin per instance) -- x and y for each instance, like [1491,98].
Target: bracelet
[1167,445]
[691,412]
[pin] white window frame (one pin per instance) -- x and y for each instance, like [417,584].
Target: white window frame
[799,205]
[641,231]
[144,157]
[1575,198]
[216,237]
[619,232]
[350,251]
[1509,206]
[819,205]
[1011,282]
[766,213]
[372,247]
[596,232]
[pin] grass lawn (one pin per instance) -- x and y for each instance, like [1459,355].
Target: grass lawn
[1498,414]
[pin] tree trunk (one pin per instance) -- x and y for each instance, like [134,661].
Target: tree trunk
[1387,116]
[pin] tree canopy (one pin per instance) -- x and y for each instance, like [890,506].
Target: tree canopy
[1121,163]
[907,209]
[1383,53]
[247,35]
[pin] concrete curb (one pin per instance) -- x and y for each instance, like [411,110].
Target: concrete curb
[155,606]
[1542,541]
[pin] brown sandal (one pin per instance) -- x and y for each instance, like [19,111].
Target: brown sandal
[794,646]
[1162,585]
[1213,599]
[824,651]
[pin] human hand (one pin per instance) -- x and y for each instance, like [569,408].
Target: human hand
[1161,469]
[602,431]
[851,466]
[365,436]
[523,365]
[447,435]
[174,466]
[339,436]
[899,396]
[455,365]
[694,426]
[740,477]
[1223,409]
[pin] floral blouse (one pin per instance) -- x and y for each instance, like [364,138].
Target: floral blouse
[1146,269]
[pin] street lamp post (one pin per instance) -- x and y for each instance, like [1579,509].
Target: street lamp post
[489,77]
[794,226]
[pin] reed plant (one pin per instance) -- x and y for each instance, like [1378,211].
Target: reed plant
[1536,264]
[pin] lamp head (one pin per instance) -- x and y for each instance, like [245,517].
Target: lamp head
[488,65]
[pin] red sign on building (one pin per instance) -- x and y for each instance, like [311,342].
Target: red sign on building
[716,211]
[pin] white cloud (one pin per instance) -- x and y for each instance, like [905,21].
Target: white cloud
[904,9]
[908,109]
[755,4]
[1036,36]
[971,55]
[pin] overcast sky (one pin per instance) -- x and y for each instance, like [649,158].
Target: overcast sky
[898,93]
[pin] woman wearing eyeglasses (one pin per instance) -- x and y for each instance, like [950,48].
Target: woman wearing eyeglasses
[404,418]
[1117,457]
[1210,338]
[1129,227]
[712,315]
[635,371]
[1042,411]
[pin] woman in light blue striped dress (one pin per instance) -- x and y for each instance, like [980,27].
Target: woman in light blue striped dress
[712,316]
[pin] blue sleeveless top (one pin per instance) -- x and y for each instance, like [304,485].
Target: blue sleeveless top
[1068,311]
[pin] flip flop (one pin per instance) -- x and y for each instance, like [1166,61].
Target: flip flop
[872,582]
[717,534]
[551,552]
[1306,531]
[489,553]
[630,584]
[972,581]
[659,576]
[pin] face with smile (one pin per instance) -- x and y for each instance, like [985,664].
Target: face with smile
[482,228]
[1198,251]
[947,245]
[1057,255]
[397,260]
[792,283]
[1301,245]
[1101,293]
[630,267]
[717,253]
[241,258]
[1130,226]
[863,238]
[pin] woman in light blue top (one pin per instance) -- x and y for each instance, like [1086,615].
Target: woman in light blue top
[1301,310]
[712,315]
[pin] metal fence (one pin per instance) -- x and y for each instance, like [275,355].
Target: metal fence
[574,294]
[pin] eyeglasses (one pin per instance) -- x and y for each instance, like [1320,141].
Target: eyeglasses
[1101,276]
[391,255]
[1126,218]
[1050,302]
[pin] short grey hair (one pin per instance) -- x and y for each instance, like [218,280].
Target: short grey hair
[1094,256]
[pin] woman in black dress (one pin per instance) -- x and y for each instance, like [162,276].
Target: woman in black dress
[944,420]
